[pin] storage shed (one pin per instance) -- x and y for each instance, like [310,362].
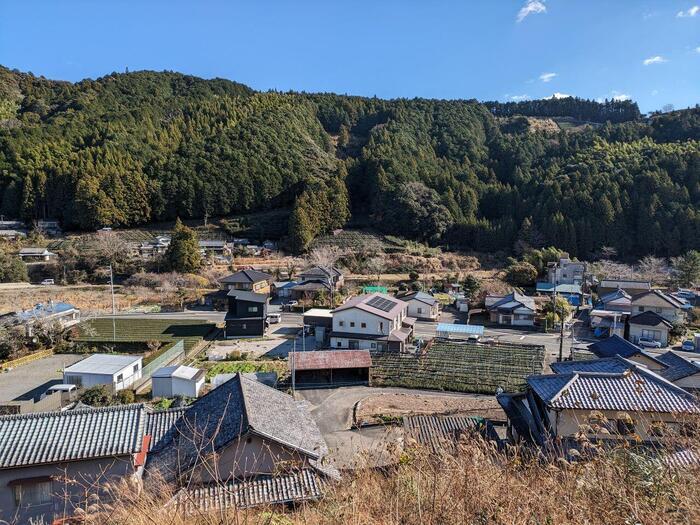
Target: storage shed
[330,367]
[116,371]
[177,380]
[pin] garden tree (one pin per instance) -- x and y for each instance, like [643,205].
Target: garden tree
[97,396]
[376,266]
[686,268]
[521,274]
[542,257]
[327,255]
[607,269]
[471,286]
[559,307]
[111,249]
[11,342]
[12,269]
[183,253]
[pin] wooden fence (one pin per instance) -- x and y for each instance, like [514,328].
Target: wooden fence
[26,359]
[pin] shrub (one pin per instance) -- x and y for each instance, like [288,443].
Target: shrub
[97,396]
[521,274]
[125,397]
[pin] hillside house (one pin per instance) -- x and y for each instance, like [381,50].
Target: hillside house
[62,315]
[422,306]
[317,279]
[36,254]
[514,309]
[248,281]
[566,271]
[660,303]
[372,322]
[117,372]
[156,246]
[246,315]
[630,286]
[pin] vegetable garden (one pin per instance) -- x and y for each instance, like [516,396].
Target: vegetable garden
[460,367]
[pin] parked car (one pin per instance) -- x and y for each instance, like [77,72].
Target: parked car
[688,346]
[274,318]
[290,304]
[648,343]
[63,387]
[46,282]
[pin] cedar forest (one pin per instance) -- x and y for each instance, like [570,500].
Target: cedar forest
[132,148]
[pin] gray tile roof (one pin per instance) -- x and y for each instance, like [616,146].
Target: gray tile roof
[614,365]
[53,437]
[159,424]
[678,366]
[239,406]
[292,487]
[246,276]
[661,295]
[636,389]
[440,433]
[243,295]
[515,297]
[419,296]
[649,318]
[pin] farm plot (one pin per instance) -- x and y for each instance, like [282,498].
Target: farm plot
[106,330]
[475,368]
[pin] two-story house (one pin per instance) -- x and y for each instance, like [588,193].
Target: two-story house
[658,302]
[422,306]
[248,281]
[372,322]
[246,315]
[630,286]
[514,309]
[317,279]
[566,271]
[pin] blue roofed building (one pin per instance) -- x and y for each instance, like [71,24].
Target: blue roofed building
[616,345]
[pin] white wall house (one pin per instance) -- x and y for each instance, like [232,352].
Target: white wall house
[513,309]
[422,306]
[115,371]
[371,322]
[177,380]
[566,271]
[658,302]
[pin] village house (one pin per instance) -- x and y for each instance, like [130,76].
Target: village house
[372,322]
[649,326]
[117,372]
[566,271]
[330,367]
[618,346]
[61,315]
[660,303]
[514,309]
[36,254]
[422,306]
[630,286]
[249,281]
[607,403]
[283,289]
[315,280]
[156,246]
[681,371]
[616,301]
[246,315]
[571,292]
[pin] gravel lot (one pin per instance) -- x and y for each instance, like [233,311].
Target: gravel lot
[31,380]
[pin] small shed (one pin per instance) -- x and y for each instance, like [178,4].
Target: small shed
[115,371]
[321,320]
[177,380]
[459,331]
[330,367]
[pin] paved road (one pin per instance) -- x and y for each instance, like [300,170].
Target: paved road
[31,380]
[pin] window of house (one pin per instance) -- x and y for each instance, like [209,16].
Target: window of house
[136,368]
[363,325]
[352,324]
[658,309]
[625,426]
[654,335]
[373,345]
[32,492]
[341,323]
[244,326]
[339,344]
[381,327]
[420,310]
[641,308]
[120,378]
[252,309]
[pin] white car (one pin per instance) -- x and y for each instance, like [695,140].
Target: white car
[274,318]
[63,387]
[47,282]
[648,343]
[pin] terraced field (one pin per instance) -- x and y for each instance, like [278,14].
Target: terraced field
[122,330]
[479,369]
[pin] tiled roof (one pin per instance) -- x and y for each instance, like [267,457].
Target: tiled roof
[293,487]
[441,432]
[678,366]
[636,389]
[238,406]
[160,422]
[330,359]
[51,437]
[420,296]
[614,365]
[246,276]
[661,295]
[614,345]
[325,272]
[615,295]
[242,295]
[514,297]
[649,318]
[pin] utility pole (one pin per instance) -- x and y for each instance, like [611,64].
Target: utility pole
[111,285]
[294,349]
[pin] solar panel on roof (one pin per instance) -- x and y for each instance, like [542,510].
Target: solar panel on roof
[380,303]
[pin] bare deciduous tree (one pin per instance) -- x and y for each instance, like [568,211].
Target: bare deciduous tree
[376,266]
[654,270]
[325,255]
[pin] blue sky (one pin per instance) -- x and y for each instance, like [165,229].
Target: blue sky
[495,49]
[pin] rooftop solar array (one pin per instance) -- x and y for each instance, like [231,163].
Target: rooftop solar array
[380,303]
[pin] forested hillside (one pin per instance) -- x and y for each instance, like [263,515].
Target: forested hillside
[128,149]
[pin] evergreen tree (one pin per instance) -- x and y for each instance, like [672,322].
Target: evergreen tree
[687,268]
[12,269]
[183,254]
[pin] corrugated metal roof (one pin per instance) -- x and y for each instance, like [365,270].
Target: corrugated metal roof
[330,359]
[636,389]
[178,371]
[614,345]
[103,364]
[469,329]
[52,437]
[303,485]
[440,433]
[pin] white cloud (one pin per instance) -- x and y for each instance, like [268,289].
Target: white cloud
[620,97]
[658,59]
[689,12]
[697,50]
[518,98]
[558,95]
[654,92]
[547,77]
[531,7]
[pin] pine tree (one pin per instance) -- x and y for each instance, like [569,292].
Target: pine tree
[183,254]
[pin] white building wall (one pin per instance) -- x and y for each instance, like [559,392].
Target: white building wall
[353,318]
[343,343]
[426,311]
[87,380]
